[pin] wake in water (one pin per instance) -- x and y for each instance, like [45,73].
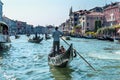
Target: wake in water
[114,55]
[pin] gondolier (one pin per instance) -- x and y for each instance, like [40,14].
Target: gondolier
[56,40]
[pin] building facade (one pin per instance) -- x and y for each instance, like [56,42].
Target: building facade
[112,14]
[73,18]
[21,27]
[29,29]
[89,21]
[11,23]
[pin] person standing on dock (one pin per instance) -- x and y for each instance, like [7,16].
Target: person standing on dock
[56,40]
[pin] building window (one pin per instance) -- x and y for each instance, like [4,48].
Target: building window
[83,18]
[87,29]
[87,24]
[75,19]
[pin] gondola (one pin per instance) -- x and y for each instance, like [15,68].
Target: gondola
[47,37]
[62,59]
[35,40]
[16,36]
[27,35]
[66,37]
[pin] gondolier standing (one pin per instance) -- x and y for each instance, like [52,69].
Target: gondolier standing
[56,40]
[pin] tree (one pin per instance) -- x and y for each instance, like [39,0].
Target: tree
[77,28]
[97,25]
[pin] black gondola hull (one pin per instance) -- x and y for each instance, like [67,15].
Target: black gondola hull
[61,60]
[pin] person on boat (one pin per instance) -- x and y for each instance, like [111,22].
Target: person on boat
[56,40]
[46,36]
[62,49]
[36,36]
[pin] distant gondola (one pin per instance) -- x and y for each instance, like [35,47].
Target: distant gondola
[17,36]
[27,35]
[66,37]
[63,59]
[35,40]
[47,37]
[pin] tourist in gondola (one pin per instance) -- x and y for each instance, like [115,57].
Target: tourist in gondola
[56,40]
[62,49]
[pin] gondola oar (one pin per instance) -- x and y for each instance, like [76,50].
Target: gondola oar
[80,55]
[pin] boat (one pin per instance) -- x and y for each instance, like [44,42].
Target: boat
[63,59]
[17,36]
[116,39]
[101,38]
[27,35]
[4,36]
[67,38]
[110,38]
[47,37]
[35,40]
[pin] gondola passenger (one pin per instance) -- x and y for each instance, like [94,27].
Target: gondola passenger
[62,49]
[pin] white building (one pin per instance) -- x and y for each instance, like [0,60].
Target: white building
[1,10]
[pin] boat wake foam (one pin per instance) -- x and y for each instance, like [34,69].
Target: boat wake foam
[115,56]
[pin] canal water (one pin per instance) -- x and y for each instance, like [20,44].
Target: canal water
[28,61]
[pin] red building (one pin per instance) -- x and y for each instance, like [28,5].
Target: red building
[112,14]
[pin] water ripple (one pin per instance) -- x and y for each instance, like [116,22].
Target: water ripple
[28,61]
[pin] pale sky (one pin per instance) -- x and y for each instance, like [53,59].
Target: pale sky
[46,12]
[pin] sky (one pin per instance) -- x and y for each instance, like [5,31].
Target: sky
[47,12]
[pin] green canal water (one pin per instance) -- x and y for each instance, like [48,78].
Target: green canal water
[28,61]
